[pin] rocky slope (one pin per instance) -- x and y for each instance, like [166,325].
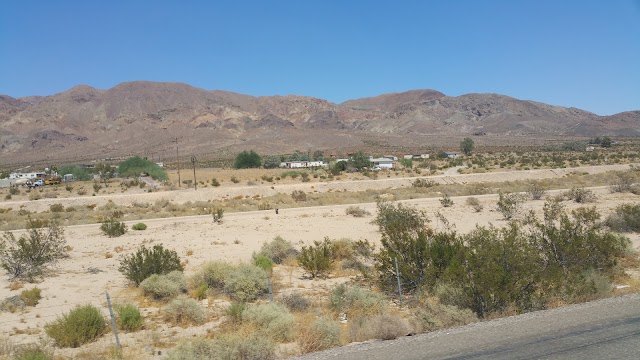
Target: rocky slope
[143,117]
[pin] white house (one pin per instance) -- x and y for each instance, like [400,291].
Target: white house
[416,156]
[302,164]
[382,163]
[453,155]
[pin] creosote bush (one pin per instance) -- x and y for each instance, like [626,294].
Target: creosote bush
[129,317]
[475,204]
[139,226]
[509,204]
[446,201]
[277,250]
[112,227]
[81,325]
[146,262]
[31,297]
[33,253]
[625,218]
[536,190]
[581,195]
[317,259]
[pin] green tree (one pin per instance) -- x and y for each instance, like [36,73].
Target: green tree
[135,166]
[106,172]
[466,146]
[272,162]
[605,142]
[247,160]
[318,155]
[360,161]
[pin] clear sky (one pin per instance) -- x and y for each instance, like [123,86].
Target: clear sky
[582,53]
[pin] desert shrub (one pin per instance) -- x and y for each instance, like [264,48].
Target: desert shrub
[213,274]
[536,190]
[217,214]
[295,302]
[31,297]
[263,262]
[424,183]
[356,211]
[356,301]
[509,204]
[128,317]
[446,201]
[14,190]
[273,320]
[200,292]
[34,252]
[382,327]
[165,286]
[34,195]
[235,310]
[299,195]
[69,188]
[316,259]
[112,227]
[56,208]
[581,195]
[32,352]
[139,226]
[475,204]
[432,315]
[146,262]
[82,192]
[321,334]
[246,283]
[234,179]
[183,311]
[625,218]
[252,347]
[623,182]
[81,325]
[277,250]
[215,182]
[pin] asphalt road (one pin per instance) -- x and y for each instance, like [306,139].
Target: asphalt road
[605,329]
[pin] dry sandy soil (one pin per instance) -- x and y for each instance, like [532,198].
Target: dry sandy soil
[92,267]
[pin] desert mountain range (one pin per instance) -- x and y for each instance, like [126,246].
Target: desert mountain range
[142,117]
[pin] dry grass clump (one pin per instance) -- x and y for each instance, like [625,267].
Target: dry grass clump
[319,334]
[165,286]
[382,327]
[475,204]
[272,320]
[432,314]
[31,297]
[295,302]
[234,346]
[356,301]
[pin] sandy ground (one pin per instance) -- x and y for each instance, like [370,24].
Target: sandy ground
[91,269]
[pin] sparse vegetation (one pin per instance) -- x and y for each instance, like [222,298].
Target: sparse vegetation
[246,283]
[446,200]
[581,195]
[184,311]
[536,190]
[277,250]
[139,226]
[129,317]
[112,227]
[625,218]
[31,297]
[475,204]
[164,286]
[273,321]
[509,204]
[356,211]
[317,259]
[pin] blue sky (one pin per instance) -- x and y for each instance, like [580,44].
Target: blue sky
[582,53]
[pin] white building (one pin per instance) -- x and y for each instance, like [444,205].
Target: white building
[302,164]
[31,175]
[382,163]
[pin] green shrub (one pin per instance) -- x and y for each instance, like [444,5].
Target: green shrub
[129,317]
[247,159]
[235,310]
[246,283]
[277,250]
[356,301]
[165,286]
[135,166]
[235,180]
[254,347]
[356,211]
[33,253]
[81,325]
[295,302]
[31,297]
[146,262]
[200,292]
[112,227]
[316,259]
[299,195]
[263,262]
[273,320]
[215,182]
[321,334]
[183,311]
[139,226]
[32,352]
[625,218]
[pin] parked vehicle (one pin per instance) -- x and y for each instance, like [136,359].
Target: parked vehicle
[35,184]
[53,180]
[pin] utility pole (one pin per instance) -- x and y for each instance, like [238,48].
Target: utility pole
[177,160]
[195,183]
